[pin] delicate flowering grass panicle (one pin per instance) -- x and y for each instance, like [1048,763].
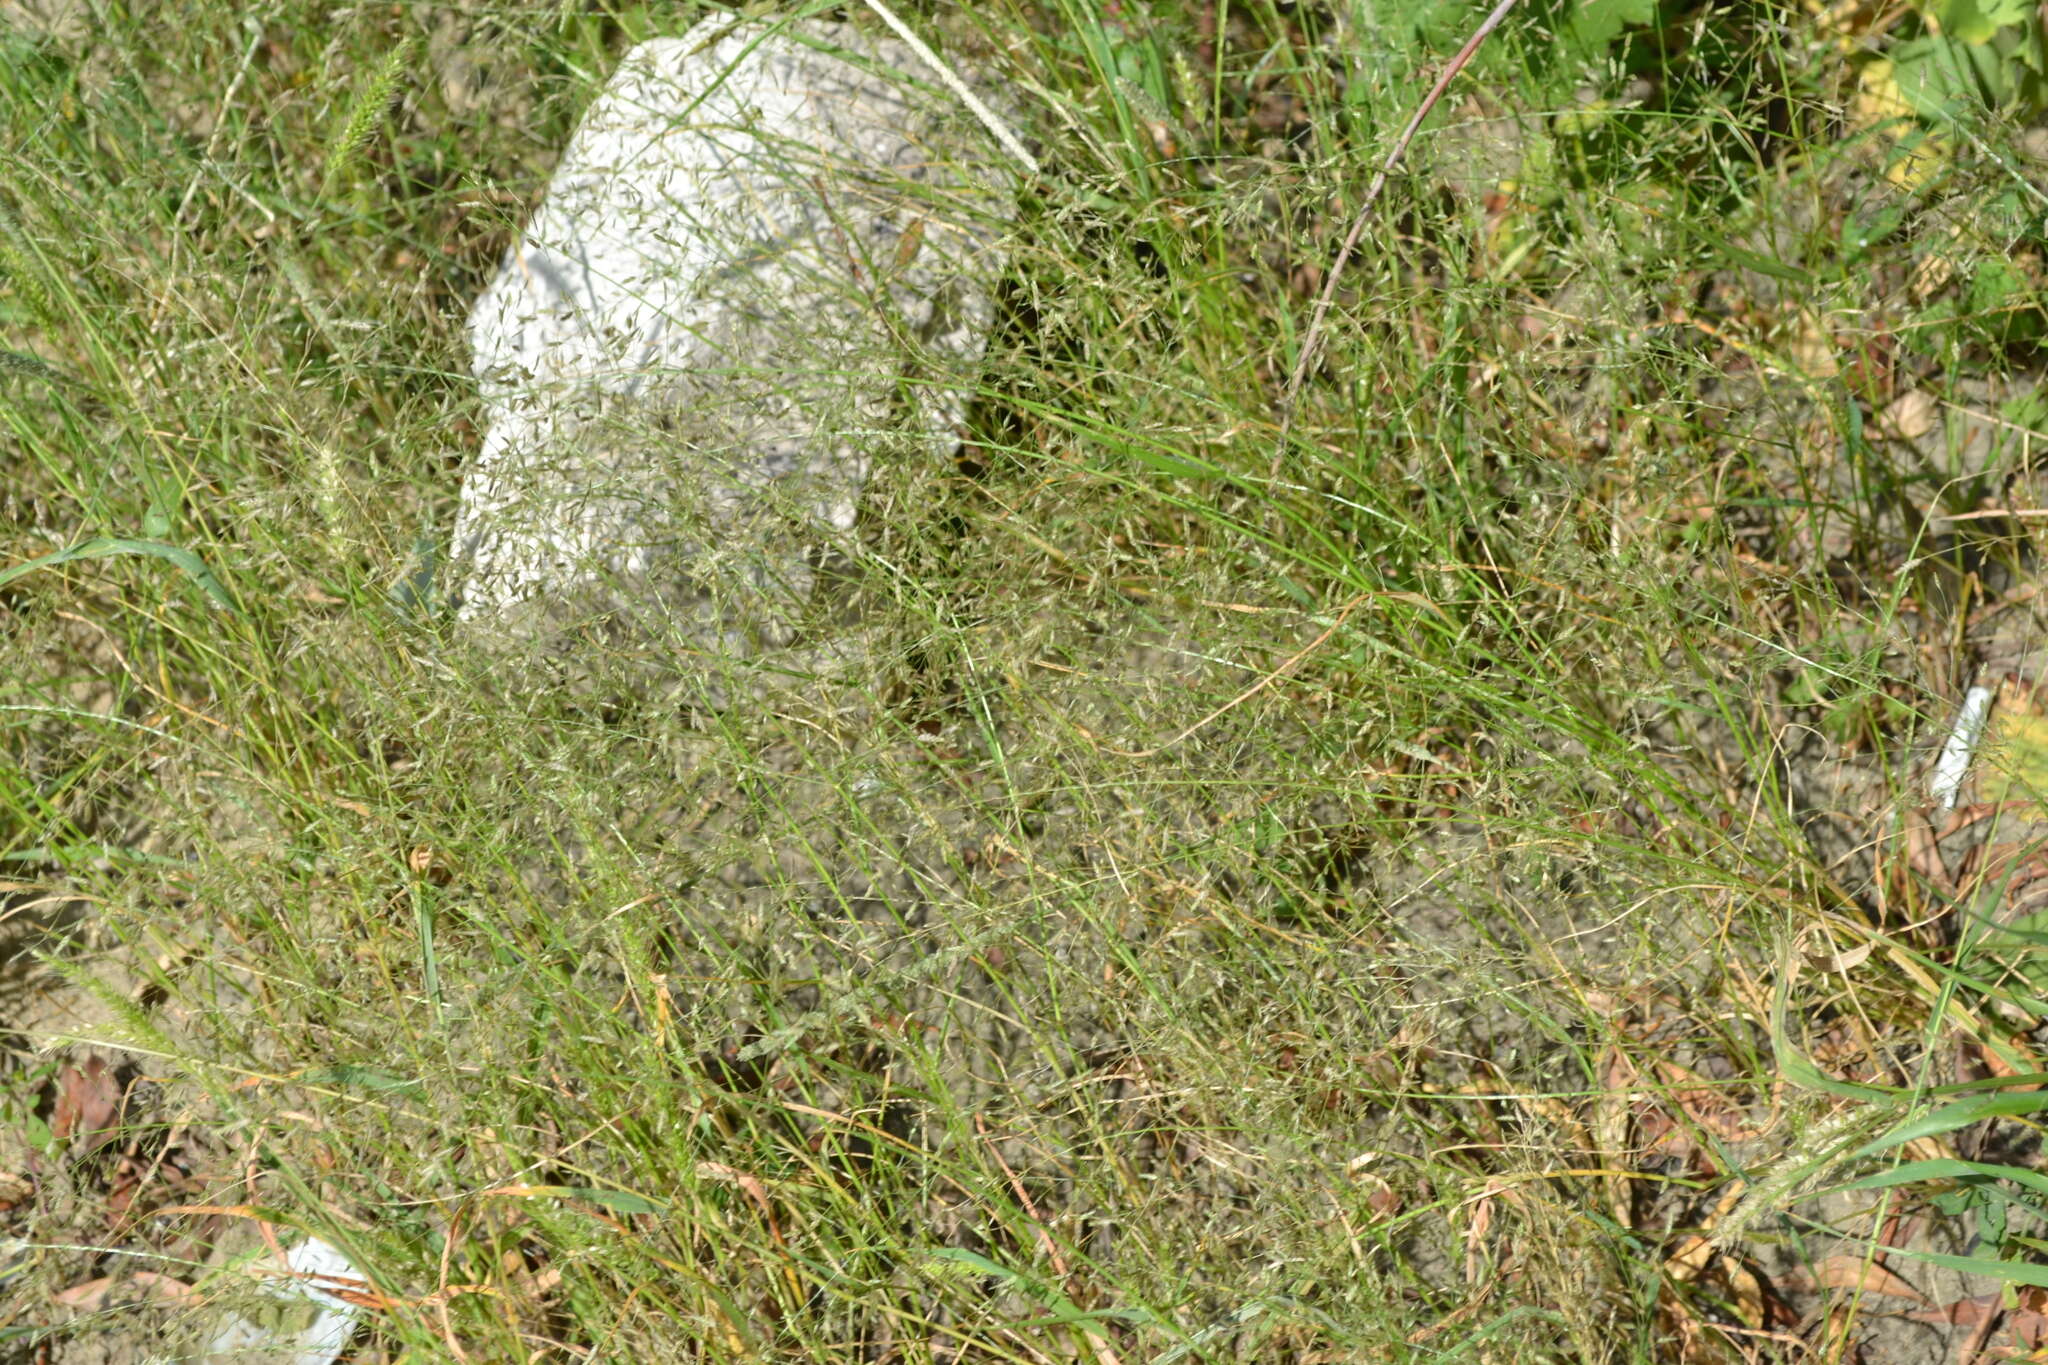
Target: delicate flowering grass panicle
[1398,861]
[997,128]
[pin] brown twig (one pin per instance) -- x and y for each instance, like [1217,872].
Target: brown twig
[1045,1241]
[1372,194]
[441,1295]
[1971,1352]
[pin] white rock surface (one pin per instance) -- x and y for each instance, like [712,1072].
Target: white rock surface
[765,257]
[64,21]
[311,1271]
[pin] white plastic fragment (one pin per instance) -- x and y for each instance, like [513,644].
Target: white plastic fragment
[765,257]
[1954,763]
[313,1267]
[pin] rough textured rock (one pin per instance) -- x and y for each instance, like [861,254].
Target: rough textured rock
[63,21]
[765,257]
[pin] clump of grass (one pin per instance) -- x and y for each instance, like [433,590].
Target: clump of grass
[1220,908]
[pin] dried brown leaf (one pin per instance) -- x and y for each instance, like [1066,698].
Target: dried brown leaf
[88,1104]
[1747,1291]
[1909,416]
[144,1286]
[2026,1324]
[1854,1274]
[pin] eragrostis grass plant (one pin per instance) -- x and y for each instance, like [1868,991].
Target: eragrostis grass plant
[1171,902]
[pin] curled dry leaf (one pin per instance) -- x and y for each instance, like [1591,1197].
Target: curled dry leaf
[1380,1200]
[1930,274]
[1813,347]
[2026,1324]
[1746,1290]
[751,1185]
[141,1286]
[1820,954]
[1691,1257]
[426,863]
[1909,416]
[1853,1274]
[1840,962]
[1923,855]
[88,1106]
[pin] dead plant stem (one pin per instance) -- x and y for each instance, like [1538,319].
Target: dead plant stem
[1309,342]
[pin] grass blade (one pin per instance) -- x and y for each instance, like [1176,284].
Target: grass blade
[105,547]
[1950,1117]
[1948,1168]
[2009,1272]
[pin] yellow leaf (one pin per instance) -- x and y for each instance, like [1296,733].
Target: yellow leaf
[1918,162]
[1877,99]
[2016,752]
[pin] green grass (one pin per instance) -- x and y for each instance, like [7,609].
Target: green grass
[1236,901]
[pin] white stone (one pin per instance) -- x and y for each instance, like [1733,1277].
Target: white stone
[311,1270]
[765,257]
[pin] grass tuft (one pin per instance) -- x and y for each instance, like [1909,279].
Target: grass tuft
[1168,901]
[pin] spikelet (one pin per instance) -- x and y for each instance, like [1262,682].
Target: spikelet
[1806,1160]
[369,106]
[22,272]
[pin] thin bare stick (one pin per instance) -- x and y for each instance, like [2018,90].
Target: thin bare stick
[1372,194]
[952,82]
[1045,1241]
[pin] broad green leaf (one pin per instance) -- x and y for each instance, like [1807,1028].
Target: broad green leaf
[2031,53]
[1596,23]
[1938,77]
[1996,283]
[2029,410]
[105,547]
[1978,21]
